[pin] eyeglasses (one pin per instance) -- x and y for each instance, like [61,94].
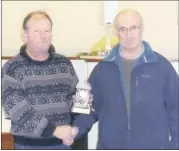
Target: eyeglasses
[132,29]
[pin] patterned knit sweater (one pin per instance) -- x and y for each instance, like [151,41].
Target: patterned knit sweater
[36,95]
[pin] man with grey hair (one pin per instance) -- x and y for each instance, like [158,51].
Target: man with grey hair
[135,93]
[37,89]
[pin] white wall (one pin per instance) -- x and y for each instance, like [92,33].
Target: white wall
[78,24]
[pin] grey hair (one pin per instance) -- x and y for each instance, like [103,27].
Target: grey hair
[126,11]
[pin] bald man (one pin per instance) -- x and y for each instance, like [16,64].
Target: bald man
[135,93]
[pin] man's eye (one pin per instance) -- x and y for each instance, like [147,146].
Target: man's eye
[134,27]
[122,29]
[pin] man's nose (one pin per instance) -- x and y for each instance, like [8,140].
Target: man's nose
[129,33]
[42,34]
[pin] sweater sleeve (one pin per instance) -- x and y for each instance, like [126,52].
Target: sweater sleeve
[23,116]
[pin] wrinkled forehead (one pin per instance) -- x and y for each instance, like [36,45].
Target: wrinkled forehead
[38,20]
[128,19]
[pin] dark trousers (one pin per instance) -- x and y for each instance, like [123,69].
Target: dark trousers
[81,144]
[45,147]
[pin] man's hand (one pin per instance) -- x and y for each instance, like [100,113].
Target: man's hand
[66,133]
[70,140]
[63,132]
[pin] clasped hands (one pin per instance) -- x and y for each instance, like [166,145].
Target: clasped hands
[66,133]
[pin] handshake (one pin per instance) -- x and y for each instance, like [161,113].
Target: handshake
[66,133]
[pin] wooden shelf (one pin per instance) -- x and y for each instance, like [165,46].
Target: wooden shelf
[7,141]
[86,58]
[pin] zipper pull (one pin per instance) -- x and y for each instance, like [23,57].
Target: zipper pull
[137,89]
[137,81]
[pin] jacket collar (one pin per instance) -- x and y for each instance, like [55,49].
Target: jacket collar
[148,55]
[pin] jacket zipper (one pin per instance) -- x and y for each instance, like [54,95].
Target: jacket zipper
[129,136]
[137,84]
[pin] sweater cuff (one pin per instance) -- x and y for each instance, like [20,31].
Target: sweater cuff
[49,130]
